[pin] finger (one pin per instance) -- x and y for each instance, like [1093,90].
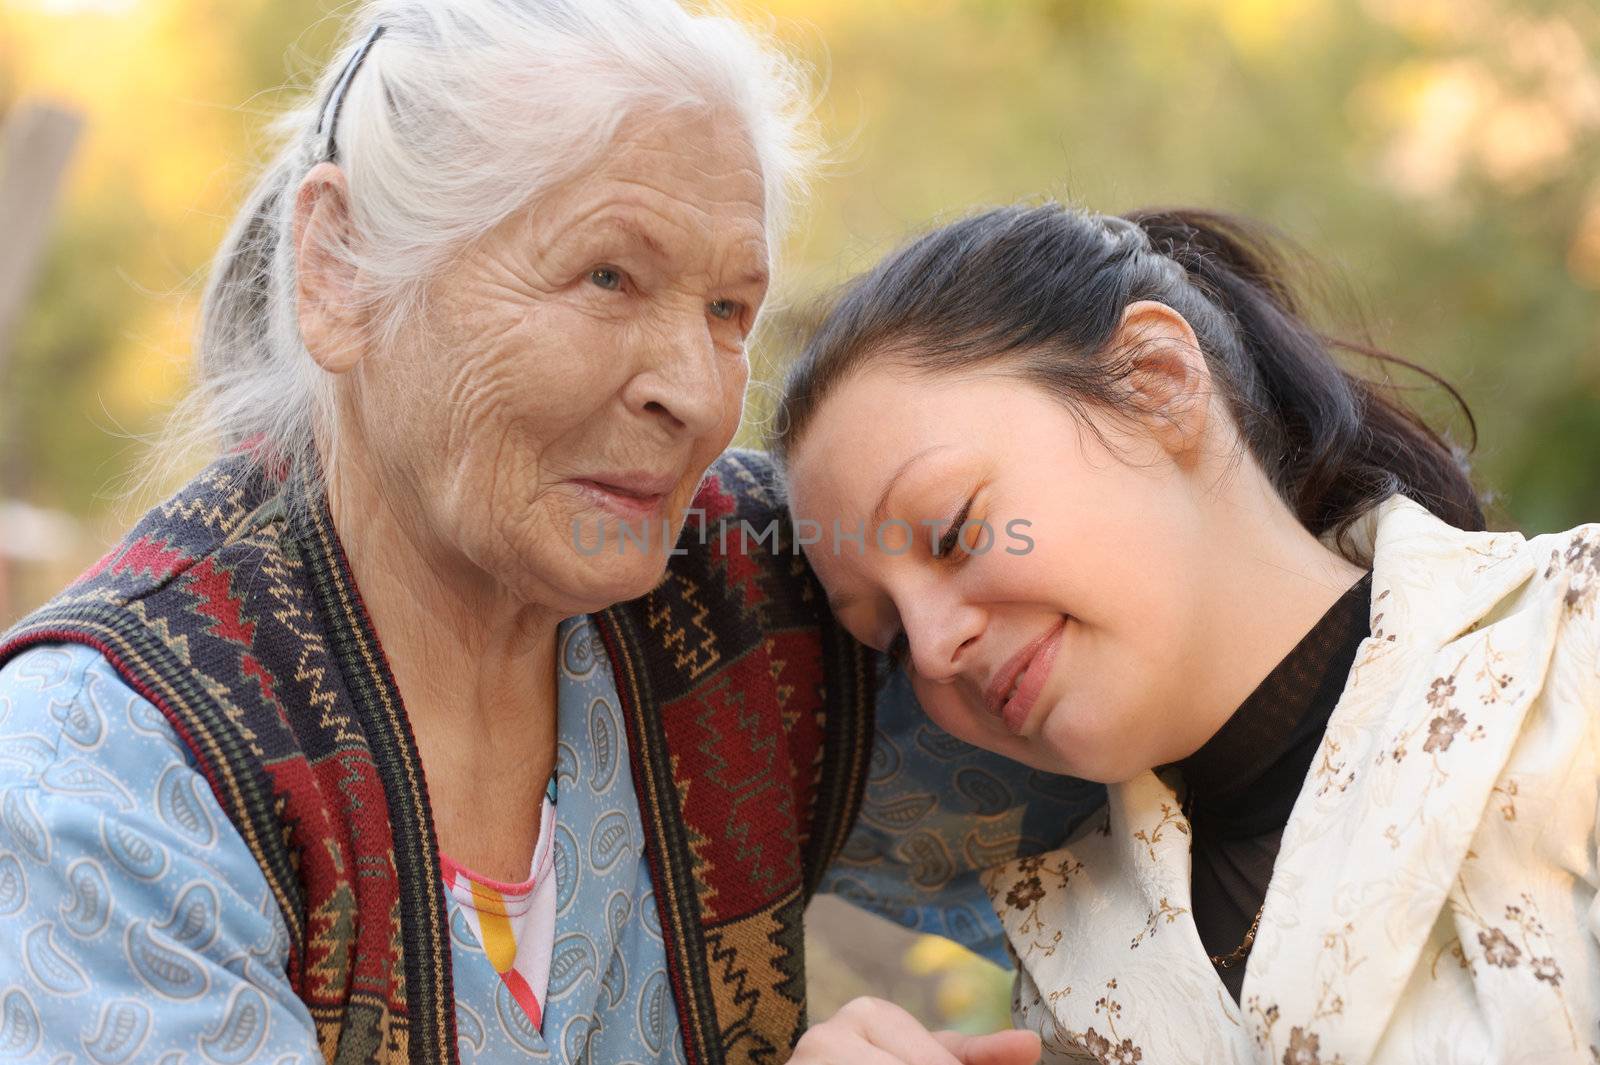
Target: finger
[857,1051]
[1011,1047]
[912,1047]
[836,1044]
[891,1029]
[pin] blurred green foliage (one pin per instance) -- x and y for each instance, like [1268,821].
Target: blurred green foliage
[1440,155]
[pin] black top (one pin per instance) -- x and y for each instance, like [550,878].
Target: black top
[1242,785]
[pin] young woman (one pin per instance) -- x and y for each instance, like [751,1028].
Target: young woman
[1122,515]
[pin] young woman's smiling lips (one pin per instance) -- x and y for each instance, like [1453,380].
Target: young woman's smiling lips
[1016,687]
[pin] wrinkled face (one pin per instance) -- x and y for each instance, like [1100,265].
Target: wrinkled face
[577,370]
[1059,627]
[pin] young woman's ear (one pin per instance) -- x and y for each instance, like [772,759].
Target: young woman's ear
[325,280]
[1168,381]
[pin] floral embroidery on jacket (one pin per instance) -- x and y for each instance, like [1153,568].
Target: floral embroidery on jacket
[1506,795]
[1581,562]
[1111,1049]
[1532,951]
[1442,731]
[1492,681]
[1498,950]
[1304,1049]
[1025,894]
[1172,817]
[1305,1046]
[1334,966]
[1164,909]
[1329,772]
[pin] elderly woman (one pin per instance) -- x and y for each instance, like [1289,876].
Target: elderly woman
[455,713]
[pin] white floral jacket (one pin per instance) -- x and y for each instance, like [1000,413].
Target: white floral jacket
[1434,899]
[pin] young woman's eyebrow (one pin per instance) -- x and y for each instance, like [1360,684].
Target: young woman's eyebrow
[844,600]
[881,511]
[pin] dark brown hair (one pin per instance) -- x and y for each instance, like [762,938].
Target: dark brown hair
[1041,290]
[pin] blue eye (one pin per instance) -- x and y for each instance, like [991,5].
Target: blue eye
[606,277]
[723,309]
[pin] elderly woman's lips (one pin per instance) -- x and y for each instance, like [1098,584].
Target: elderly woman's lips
[630,499]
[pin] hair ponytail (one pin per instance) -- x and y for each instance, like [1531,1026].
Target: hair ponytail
[1334,443]
[1043,289]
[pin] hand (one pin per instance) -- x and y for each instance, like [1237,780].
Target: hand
[870,1031]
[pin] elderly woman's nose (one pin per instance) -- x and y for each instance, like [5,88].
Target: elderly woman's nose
[686,381]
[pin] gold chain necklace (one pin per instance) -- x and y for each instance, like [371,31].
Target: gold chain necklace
[1242,951]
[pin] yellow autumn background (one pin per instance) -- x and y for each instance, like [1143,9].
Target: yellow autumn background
[1441,156]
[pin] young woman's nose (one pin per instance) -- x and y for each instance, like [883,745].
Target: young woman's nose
[942,632]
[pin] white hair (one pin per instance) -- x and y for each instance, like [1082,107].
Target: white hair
[461,113]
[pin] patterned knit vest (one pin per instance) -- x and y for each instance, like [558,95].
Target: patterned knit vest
[748,713]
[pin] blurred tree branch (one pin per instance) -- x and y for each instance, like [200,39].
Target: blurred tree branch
[38,139]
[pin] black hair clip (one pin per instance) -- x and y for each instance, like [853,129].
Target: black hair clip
[328,120]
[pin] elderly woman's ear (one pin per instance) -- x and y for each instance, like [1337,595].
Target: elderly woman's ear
[325,277]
